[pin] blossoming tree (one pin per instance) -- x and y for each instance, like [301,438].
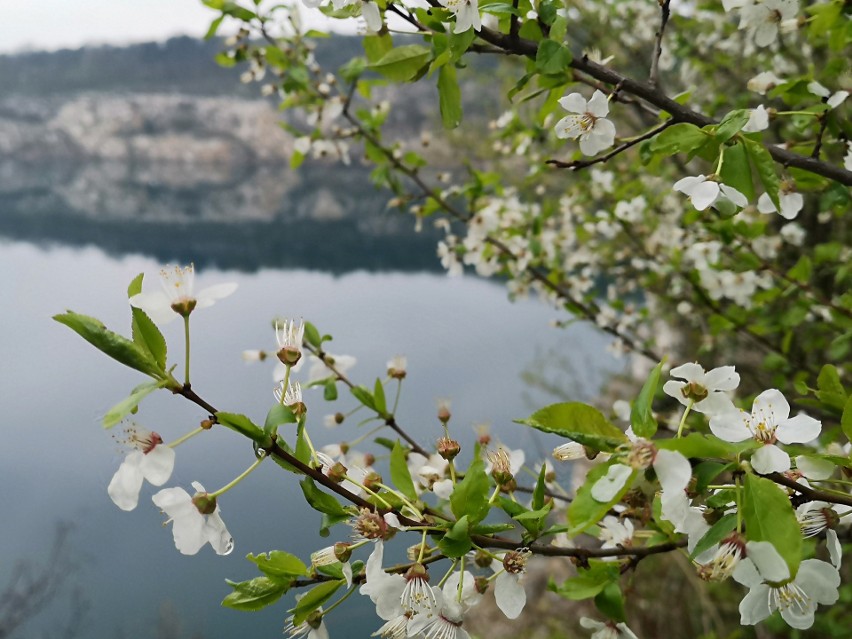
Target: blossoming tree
[677,174]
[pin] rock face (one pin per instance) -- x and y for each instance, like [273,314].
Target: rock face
[174,129]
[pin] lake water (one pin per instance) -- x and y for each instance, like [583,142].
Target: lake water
[364,277]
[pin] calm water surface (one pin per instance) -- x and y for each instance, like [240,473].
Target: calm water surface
[463,340]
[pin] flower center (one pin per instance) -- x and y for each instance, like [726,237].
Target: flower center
[789,596]
[764,433]
[587,121]
[694,391]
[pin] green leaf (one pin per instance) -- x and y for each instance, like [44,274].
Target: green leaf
[243,425]
[585,511]
[846,419]
[610,602]
[539,490]
[552,57]
[579,422]
[731,124]
[765,167]
[375,46]
[736,171]
[678,138]
[255,594]
[312,335]
[831,391]
[321,501]
[148,336]
[129,404]
[278,563]
[769,516]
[379,398]
[449,97]
[470,496]
[699,445]
[456,543]
[402,63]
[717,533]
[589,582]
[329,390]
[116,346]
[135,286]
[364,396]
[313,599]
[214,27]
[400,474]
[641,414]
[277,415]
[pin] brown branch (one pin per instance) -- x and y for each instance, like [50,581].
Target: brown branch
[812,494]
[582,164]
[654,75]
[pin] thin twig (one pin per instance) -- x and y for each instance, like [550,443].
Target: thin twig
[654,76]
[582,164]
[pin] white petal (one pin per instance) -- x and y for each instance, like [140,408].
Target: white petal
[443,488]
[125,485]
[598,105]
[730,426]
[687,186]
[371,15]
[157,465]
[771,406]
[723,378]
[704,194]
[715,404]
[765,204]
[673,388]
[798,430]
[746,574]
[691,371]
[157,305]
[510,595]
[610,484]
[754,607]
[211,294]
[574,102]
[837,99]
[835,550]
[770,459]
[734,195]
[818,90]
[217,534]
[819,580]
[347,574]
[814,467]
[673,470]
[768,562]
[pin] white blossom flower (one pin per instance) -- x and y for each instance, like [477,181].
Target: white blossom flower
[589,123]
[706,391]
[833,100]
[768,422]
[467,14]
[767,576]
[445,620]
[311,628]
[758,120]
[847,161]
[149,460]
[569,451]
[319,370]
[725,558]
[178,296]
[763,82]
[791,201]
[509,592]
[615,532]
[703,192]
[607,629]
[793,233]
[192,528]
[763,19]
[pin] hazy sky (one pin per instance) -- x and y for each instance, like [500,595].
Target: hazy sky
[57,24]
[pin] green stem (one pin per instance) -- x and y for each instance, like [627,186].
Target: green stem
[683,419]
[285,383]
[368,491]
[721,161]
[452,467]
[186,339]
[739,502]
[355,442]
[181,440]
[494,495]
[448,573]
[404,500]
[396,399]
[461,580]
[346,596]
[236,481]
[422,548]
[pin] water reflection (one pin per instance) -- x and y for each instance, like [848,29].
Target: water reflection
[243,217]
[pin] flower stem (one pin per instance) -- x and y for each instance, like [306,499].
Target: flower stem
[403,499]
[368,491]
[452,468]
[181,440]
[285,383]
[683,419]
[422,548]
[345,596]
[396,399]
[461,580]
[186,340]
[241,477]
[494,495]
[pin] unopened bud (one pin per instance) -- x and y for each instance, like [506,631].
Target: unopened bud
[369,459]
[207,424]
[338,418]
[482,559]
[184,307]
[289,355]
[481,584]
[343,551]
[444,411]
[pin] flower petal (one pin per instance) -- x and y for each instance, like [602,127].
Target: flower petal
[157,465]
[673,470]
[754,607]
[798,430]
[125,485]
[704,194]
[819,580]
[723,378]
[509,595]
[598,105]
[691,371]
[573,102]
[608,486]
[157,305]
[768,562]
[730,426]
[208,296]
[770,459]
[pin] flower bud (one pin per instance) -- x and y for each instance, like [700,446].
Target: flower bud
[289,355]
[184,307]
[481,584]
[482,559]
[207,424]
[372,480]
[337,473]
[444,411]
